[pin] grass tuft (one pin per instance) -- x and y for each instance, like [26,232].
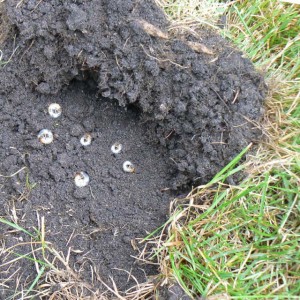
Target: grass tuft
[189,15]
[238,241]
[54,278]
[268,32]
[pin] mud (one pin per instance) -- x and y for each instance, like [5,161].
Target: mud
[180,113]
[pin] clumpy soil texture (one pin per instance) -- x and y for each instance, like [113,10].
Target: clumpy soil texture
[103,217]
[181,110]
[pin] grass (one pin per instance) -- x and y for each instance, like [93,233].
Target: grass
[239,240]
[268,32]
[10,256]
[242,242]
[55,278]
[188,15]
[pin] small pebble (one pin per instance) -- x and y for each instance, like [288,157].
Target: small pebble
[45,136]
[54,110]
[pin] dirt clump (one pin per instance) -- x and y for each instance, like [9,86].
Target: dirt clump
[182,109]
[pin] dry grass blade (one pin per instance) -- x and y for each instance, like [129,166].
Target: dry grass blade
[187,16]
[200,48]
[151,29]
[4,25]
[14,174]
[56,279]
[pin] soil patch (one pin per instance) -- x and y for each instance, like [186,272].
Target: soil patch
[116,207]
[181,111]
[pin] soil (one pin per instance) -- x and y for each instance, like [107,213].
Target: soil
[116,207]
[180,113]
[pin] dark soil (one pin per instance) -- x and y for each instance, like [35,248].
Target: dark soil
[180,114]
[115,207]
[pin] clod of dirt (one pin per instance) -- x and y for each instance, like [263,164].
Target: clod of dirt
[192,107]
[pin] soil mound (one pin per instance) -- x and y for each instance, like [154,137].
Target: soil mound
[188,109]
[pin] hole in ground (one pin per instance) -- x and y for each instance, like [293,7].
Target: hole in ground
[97,221]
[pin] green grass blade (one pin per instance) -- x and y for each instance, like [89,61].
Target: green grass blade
[16,226]
[34,283]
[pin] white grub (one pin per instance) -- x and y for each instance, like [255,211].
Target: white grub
[45,136]
[116,148]
[86,139]
[128,167]
[54,110]
[81,179]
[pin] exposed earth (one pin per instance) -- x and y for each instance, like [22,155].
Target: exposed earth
[181,106]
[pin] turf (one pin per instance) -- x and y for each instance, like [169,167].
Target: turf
[242,240]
